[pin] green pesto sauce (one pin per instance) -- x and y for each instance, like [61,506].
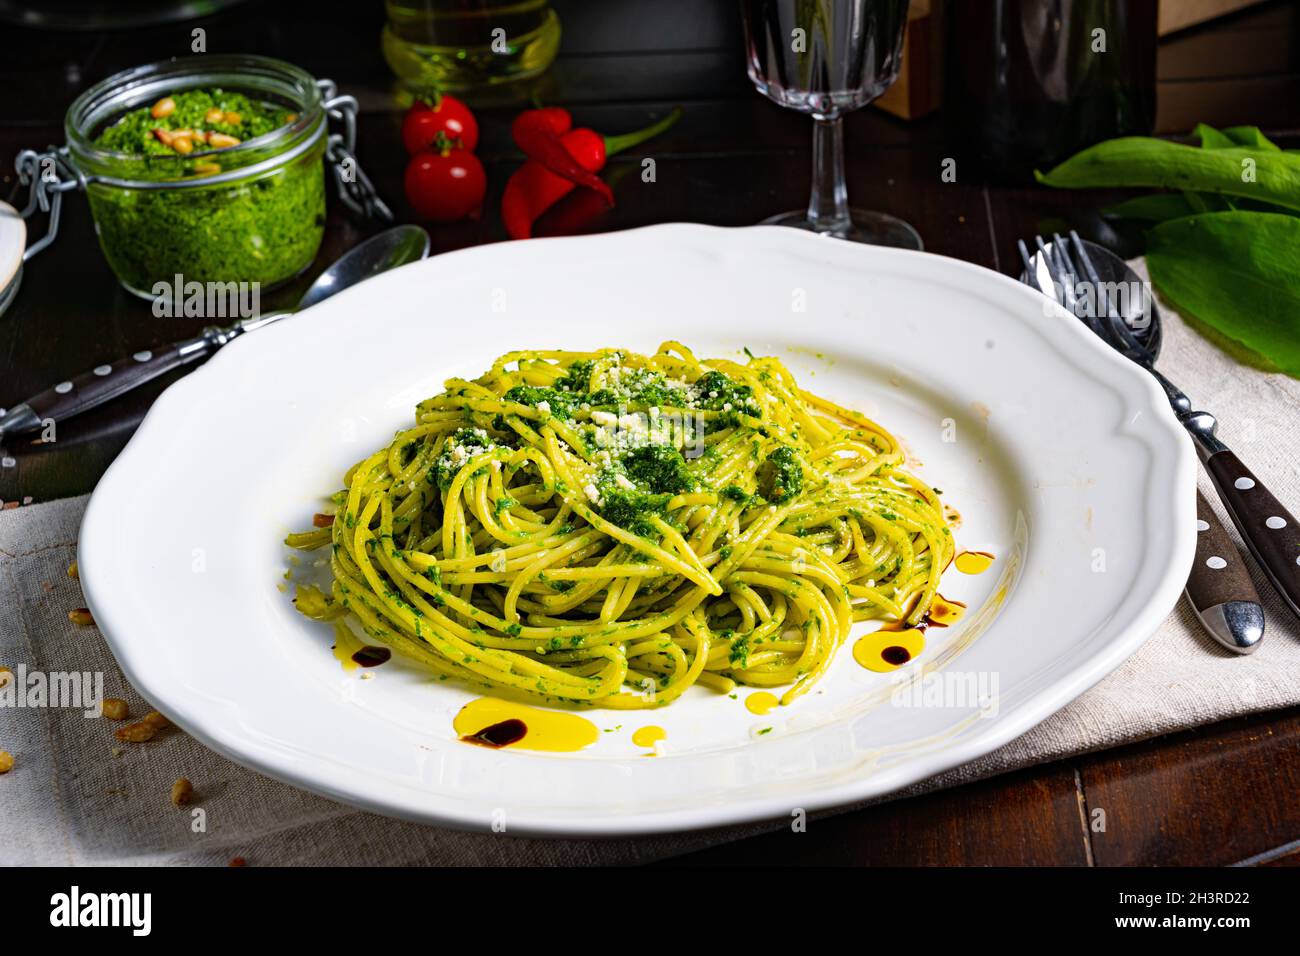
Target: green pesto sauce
[631,508]
[657,471]
[719,393]
[263,230]
[561,403]
[780,477]
[133,133]
[659,467]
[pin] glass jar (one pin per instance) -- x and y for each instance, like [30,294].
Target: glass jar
[459,46]
[249,213]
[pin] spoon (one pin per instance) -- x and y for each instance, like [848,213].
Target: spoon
[387,250]
[1219,588]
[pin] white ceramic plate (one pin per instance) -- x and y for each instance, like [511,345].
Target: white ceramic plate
[1063,459]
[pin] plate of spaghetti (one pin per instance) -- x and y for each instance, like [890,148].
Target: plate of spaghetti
[661,529]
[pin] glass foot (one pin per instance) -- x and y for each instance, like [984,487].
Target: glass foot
[877,228]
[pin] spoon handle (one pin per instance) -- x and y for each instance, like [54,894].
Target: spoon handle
[1220,589]
[1269,530]
[106,382]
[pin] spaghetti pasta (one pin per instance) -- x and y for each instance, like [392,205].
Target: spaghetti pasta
[613,528]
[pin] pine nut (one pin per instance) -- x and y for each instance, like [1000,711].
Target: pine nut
[114,708]
[214,116]
[233,119]
[136,733]
[81,617]
[221,140]
[164,107]
[183,145]
[73,572]
[6,761]
[182,792]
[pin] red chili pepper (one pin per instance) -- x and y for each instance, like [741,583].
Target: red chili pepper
[538,185]
[579,211]
[554,118]
[539,133]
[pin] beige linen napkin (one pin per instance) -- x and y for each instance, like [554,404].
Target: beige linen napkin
[75,795]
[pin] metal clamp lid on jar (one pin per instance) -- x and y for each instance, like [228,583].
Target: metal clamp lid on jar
[56,170]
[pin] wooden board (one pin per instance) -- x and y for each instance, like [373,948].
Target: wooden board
[1180,14]
[918,89]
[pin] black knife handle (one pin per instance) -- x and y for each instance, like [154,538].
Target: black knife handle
[101,384]
[1269,530]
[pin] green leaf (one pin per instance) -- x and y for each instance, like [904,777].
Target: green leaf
[1157,207]
[1143,161]
[1236,272]
[1208,202]
[1161,207]
[1211,138]
[1250,136]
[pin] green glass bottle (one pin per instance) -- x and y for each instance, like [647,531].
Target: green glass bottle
[466,45]
[1030,82]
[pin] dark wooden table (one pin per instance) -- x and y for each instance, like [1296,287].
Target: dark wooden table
[1220,795]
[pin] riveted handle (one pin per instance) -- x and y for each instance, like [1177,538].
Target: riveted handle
[1269,530]
[1220,589]
[99,385]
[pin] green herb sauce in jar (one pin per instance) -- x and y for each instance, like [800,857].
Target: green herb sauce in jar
[264,228]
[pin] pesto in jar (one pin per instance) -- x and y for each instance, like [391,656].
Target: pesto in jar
[263,228]
[202,112]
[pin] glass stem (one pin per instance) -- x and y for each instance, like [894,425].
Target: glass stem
[828,205]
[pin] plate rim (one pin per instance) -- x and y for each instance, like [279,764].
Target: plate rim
[222,735]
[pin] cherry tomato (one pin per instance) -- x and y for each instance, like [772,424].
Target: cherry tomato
[445,186]
[448,116]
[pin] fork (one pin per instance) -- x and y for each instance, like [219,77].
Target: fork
[1268,529]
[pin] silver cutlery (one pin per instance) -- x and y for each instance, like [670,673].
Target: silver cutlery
[1219,587]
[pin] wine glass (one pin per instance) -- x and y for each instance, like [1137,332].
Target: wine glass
[825,58]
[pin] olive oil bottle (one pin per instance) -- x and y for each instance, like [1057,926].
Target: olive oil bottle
[466,45]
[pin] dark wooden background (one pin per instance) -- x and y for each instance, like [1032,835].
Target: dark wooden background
[1220,795]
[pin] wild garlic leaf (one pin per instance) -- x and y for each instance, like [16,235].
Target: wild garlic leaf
[1211,138]
[1237,273]
[1248,172]
[1250,136]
